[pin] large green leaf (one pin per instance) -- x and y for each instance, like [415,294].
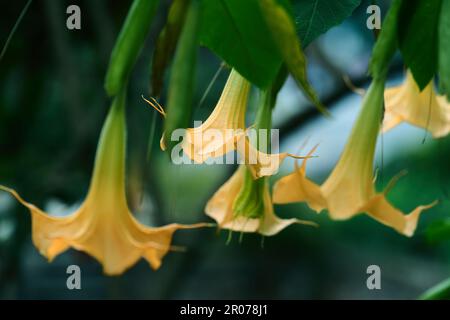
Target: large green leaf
[418,38]
[285,38]
[314,17]
[236,31]
[444,48]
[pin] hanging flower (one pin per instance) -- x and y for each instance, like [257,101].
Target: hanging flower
[224,131]
[424,109]
[103,226]
[218,135]
[350,190]
[243,204]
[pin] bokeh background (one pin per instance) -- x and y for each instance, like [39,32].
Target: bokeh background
[52,106]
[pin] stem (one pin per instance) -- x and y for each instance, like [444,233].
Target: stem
[16,25]
[211,83]
[440,291]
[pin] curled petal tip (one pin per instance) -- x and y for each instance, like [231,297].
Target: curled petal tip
[413,218]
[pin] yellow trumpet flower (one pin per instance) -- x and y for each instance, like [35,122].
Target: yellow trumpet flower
[424,109]
[103,226]
[243,204]
[224,131]
[350,190]
[220,132]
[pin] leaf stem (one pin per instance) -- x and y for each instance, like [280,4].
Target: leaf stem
[16,25]
[440,291]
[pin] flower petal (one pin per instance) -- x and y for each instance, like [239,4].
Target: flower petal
[220,208]
[381,210]
[424,109]
[296,187]
[260,164]
[271,224]
[109,234]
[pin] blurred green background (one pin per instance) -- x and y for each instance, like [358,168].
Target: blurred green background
[52,106]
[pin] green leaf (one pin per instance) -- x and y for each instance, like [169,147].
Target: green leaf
[283,32]
[418,38]
[236,31]
[387,43]
[315,17]
[166,43]
[444,49]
